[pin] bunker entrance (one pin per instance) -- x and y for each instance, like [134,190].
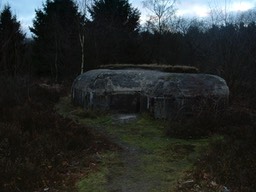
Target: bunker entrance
[125,103]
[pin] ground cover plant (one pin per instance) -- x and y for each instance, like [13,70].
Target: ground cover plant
[39,149]
[86,151]
[165,68]
[229,161]
[148,160]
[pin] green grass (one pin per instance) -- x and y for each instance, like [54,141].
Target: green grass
[94,182]
[150,158]
[162,67]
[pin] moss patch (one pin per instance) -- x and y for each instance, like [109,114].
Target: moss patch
[165,68]
[148,161]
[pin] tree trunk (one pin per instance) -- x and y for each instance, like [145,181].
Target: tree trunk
[81,38]
[56,61]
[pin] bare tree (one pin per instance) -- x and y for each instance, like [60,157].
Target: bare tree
[83,6]
[161,11]
[183,24]
[220,12]
[247,17]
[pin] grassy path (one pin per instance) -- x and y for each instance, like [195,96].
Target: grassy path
[148,160]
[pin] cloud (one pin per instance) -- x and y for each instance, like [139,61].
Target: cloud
[202,8]
[193,10]
[25,9]
[241,6]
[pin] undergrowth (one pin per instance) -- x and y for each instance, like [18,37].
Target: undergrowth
[148,161]
[229,161]
[39,150]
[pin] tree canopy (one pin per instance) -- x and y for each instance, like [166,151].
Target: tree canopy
[115,14]
[162,12]
[55,31]
[113,28]
[11,42]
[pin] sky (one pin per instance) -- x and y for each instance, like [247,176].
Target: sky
[25,9]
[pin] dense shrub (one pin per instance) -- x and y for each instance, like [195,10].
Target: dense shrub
[13,90]
[231,161]
[209,123]
[34,143]
[38,148]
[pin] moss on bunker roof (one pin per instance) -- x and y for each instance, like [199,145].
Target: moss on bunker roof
[164,68]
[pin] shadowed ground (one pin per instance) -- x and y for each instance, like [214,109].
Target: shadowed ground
[147,159]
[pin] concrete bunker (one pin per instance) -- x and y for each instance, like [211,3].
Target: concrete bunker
[164,95]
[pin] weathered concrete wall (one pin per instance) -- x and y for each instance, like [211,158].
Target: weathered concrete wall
[163,94]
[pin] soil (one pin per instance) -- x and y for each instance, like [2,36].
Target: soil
[83,151]
[147,160]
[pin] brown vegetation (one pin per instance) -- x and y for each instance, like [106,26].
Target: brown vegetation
[229,161]
[38,148]
[165,68]
[41,150]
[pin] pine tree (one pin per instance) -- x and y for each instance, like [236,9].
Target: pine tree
[11,43]
[115,15]
[55,31]
[114,25]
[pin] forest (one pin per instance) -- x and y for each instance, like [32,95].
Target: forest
[71,37]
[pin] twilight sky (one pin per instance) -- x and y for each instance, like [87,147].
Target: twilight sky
[25,9]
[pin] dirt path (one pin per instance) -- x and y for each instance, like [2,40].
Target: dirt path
[148,160]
